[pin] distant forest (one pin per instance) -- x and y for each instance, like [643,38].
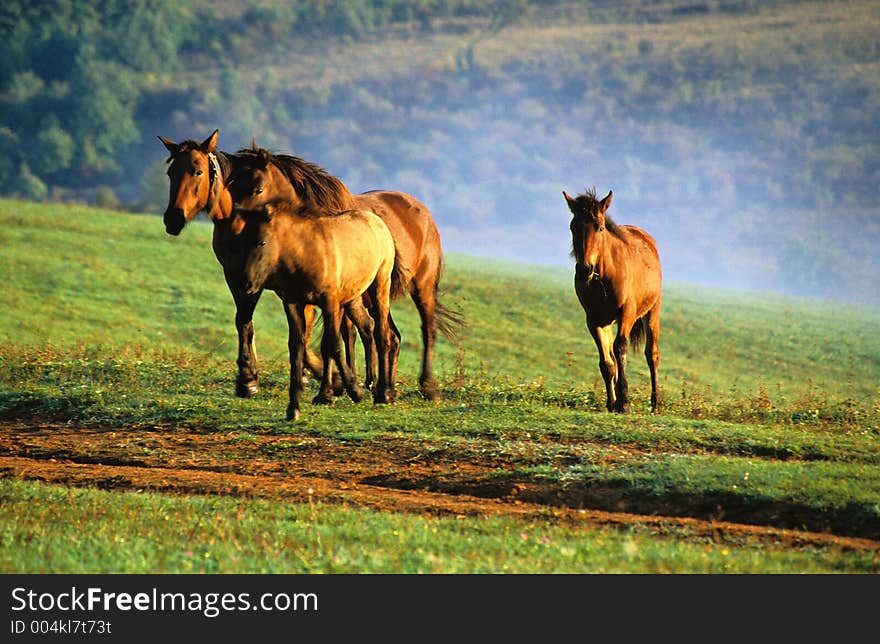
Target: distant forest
[745,135]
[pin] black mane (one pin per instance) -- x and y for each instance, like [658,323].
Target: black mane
[311,182]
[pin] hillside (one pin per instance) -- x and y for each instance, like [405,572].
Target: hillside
[112,286]
[118,424]
[744,135]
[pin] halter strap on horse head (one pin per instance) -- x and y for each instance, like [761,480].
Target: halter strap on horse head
[214,181]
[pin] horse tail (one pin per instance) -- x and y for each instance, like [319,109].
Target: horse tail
[638,333]
[400,277]
[448,320]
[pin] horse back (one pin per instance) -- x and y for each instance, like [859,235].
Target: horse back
[354,248]
[644,274]
[411,225]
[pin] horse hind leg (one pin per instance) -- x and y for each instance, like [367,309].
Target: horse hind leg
[331,351]
[393,350]
[424,297]
[357,314]
[347,331]
[314,362]
[652,353]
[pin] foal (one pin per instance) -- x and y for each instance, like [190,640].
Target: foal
[617,278]
[310,258]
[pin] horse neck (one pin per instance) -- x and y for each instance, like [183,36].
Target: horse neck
[222,207]
[605,260]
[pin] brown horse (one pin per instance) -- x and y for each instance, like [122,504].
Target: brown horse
[310,257]
[617,278]
[197,172]
[260,177]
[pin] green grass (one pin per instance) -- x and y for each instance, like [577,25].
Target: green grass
[67,530]
[771,404]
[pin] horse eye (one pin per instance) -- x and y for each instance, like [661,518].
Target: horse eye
[601,228]
[199,173]
[258,191]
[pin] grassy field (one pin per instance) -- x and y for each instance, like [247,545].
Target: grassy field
[114,331]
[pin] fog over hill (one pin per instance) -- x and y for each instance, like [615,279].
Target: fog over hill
[744,136]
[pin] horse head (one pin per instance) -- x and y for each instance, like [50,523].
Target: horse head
[588,227]
[196,181]
[257,245]
[257,180]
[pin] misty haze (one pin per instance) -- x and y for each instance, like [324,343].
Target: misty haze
[743,135]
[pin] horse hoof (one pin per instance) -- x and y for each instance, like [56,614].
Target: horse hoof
[293,414]
[246,390]
[322,399]
[430,392]
[384,398]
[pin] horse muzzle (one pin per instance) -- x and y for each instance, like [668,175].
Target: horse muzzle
[585,272]
[174,220]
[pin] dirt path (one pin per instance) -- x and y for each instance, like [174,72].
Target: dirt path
[386,475]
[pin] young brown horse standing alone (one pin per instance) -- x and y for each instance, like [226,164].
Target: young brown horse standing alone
[617,278]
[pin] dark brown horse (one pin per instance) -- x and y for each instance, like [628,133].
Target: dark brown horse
[617,278]
[260,177]
[314,258]
[197,172]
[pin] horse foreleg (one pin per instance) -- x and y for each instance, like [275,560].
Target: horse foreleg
[296,325]
[247,382]
[381,312]
[607,363]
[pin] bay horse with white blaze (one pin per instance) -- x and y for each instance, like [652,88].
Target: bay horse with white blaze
[618,280]
[314,258]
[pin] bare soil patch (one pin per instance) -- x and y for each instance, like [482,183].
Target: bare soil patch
[389,475]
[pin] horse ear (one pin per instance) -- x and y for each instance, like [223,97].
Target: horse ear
[603,205]
[209,144]
[170,145]
[264,157]
[568,200]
